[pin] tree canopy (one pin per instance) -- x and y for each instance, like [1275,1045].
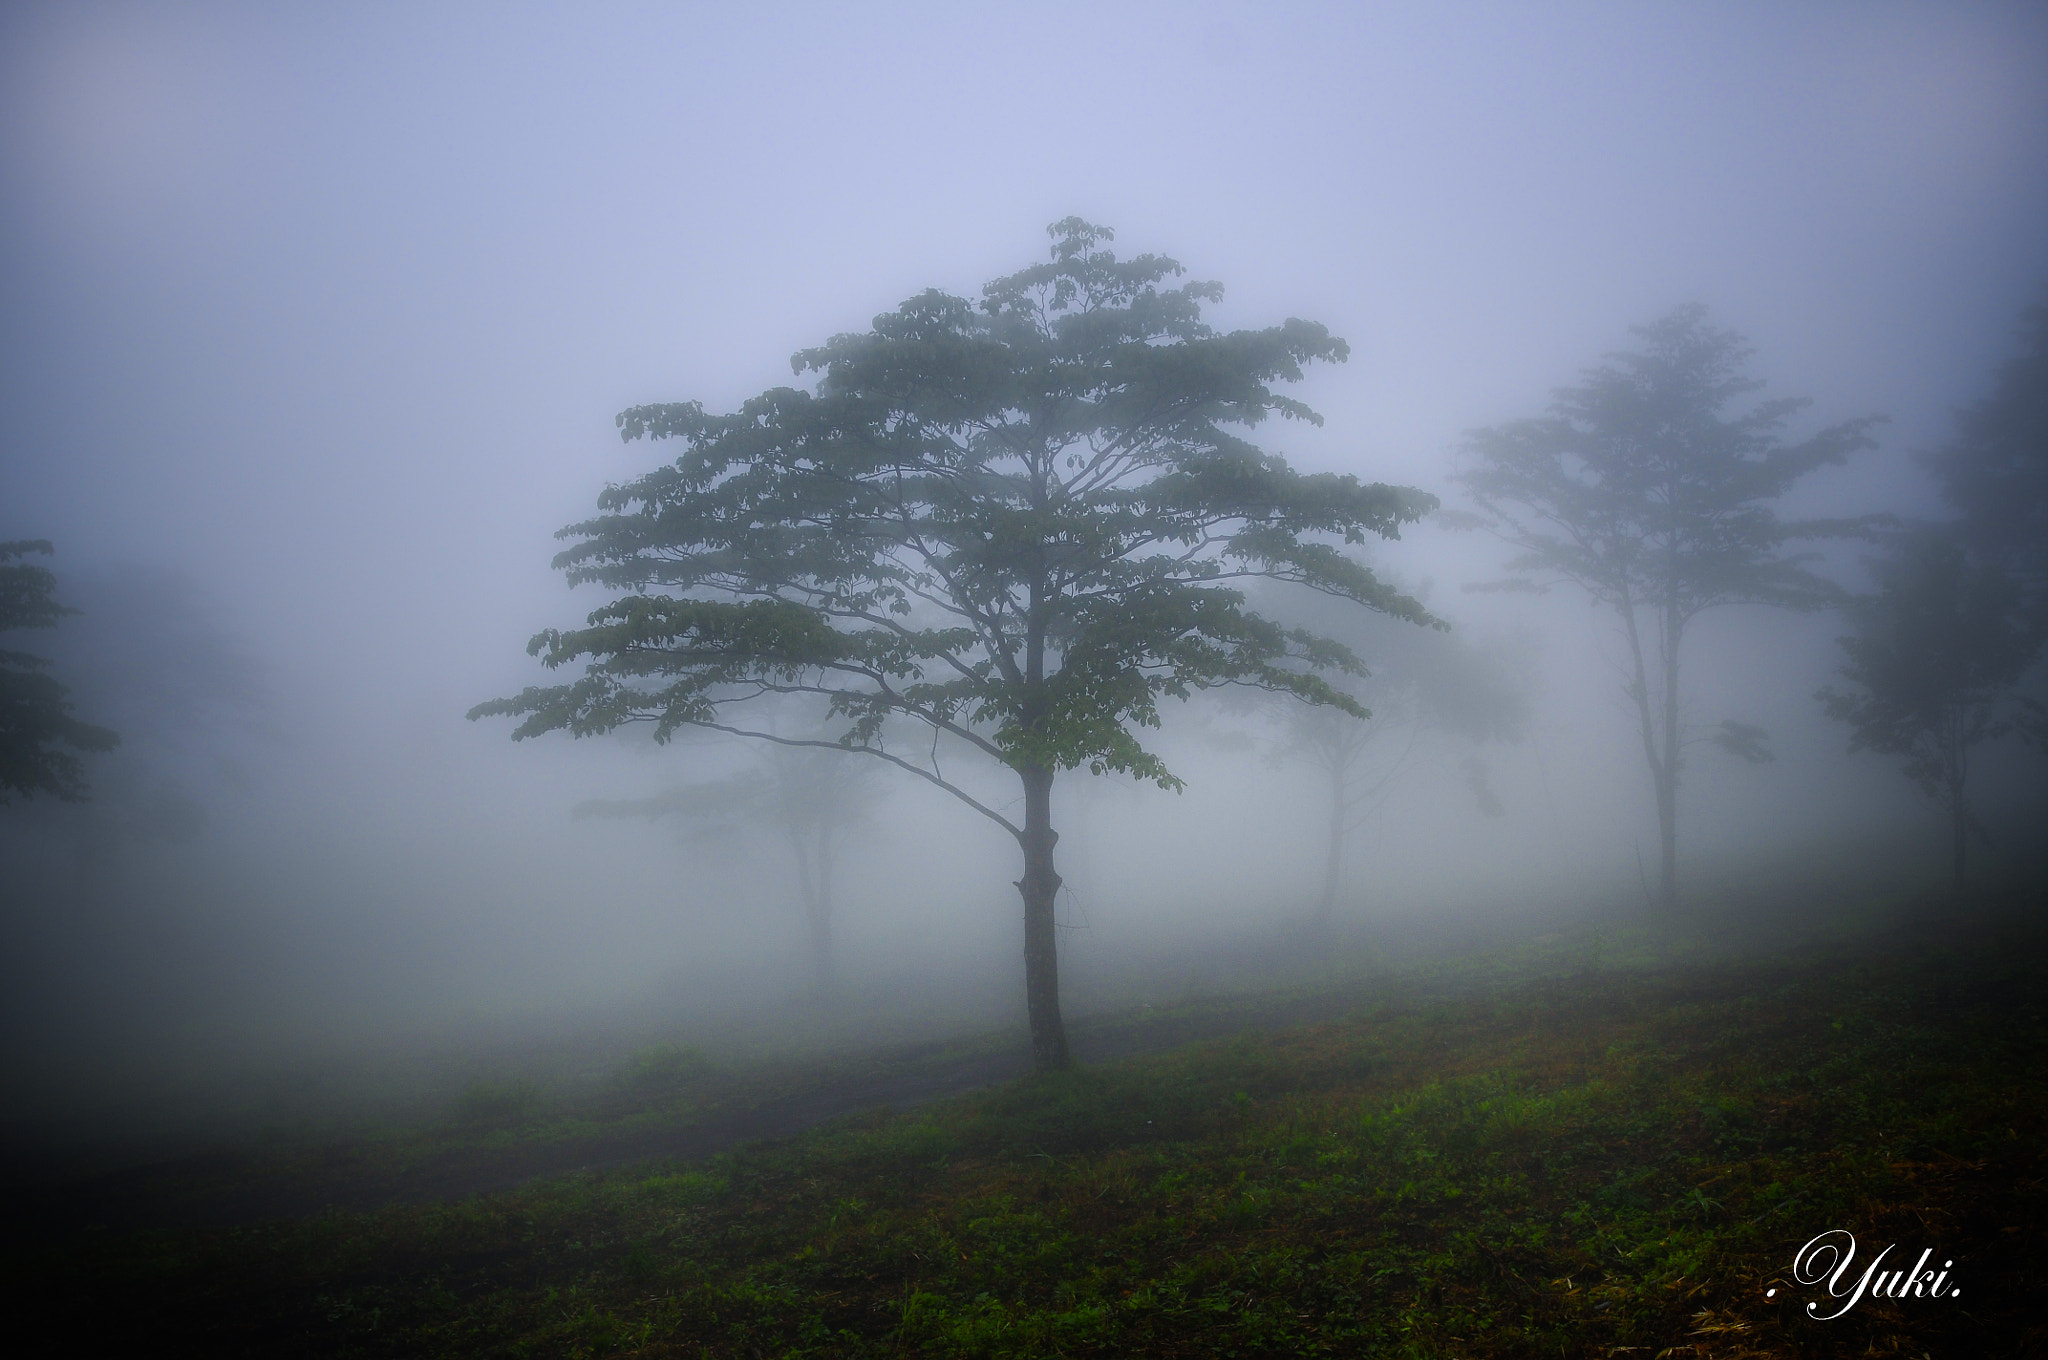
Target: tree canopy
[1649,486]
[40,740]
[1012,523]
[1933,668]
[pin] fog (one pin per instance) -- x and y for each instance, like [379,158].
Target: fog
[317,321]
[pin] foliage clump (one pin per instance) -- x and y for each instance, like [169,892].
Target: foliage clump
[40,739]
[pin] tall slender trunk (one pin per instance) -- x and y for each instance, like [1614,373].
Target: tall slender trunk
[821,918]
[1333,863]
[1039,887]
[1667,793]
[1667,839]
[817,898]
[1663,763]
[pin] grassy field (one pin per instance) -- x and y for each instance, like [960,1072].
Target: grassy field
[1593,1144]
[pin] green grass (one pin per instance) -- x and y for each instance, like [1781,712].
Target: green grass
[1530,1155]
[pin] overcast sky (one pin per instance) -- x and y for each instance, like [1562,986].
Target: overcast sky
[330,307]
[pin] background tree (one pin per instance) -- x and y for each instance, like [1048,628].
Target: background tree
[38,735]
[1011,524]
[148,655]
[1417,684]
[1647,489]
[1933,667]
[1995,470]
[812,797]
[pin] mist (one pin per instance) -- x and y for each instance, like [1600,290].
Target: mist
[318,321]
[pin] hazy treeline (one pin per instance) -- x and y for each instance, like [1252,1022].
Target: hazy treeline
[320,328]
[1485,772]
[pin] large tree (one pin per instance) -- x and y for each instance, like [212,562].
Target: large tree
[40,740]
[1933,670]
[1012,524]
[1649,485]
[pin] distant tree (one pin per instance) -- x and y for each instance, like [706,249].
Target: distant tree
[1646,490]
[38,735]
[1012,523]
[1933,668]
[1995,470]
[812,798]
[147,656]
[1416,683]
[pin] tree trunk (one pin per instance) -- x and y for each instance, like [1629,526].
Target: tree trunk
[1667,790]
[1333,862]
[1039,886]
[816,894]
[1667,833]
[821,918]
[1663,765]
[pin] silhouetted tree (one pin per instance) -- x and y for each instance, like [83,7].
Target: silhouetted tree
[1933,667]
[1995,470]
[1012,522]
[38,735]
[812,798]
[148,657]
[1416,683]
[1646,490]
